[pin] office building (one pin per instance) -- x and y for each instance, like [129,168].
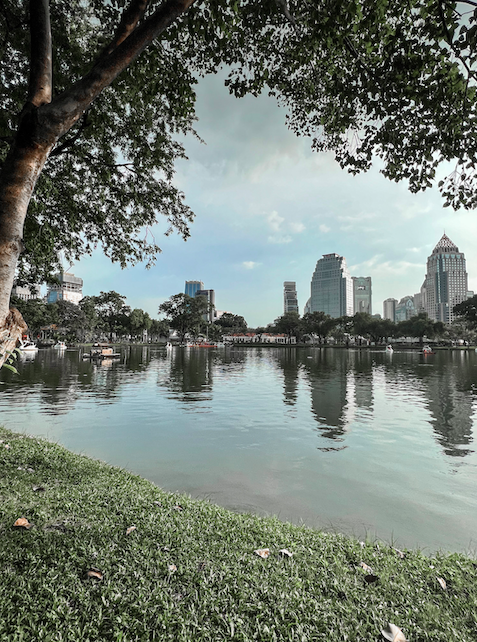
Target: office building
[405,309]
[67,288]
[332,287]
[290,298]
[362,294]
[446,280]
[389,309]
[191,287]
[210,296]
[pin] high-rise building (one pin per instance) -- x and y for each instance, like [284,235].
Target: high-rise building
[420,299]
[68,288]
[389,309]
[446,280]
[362,294]
[405,309]
[290,297]
[332,287]
[210,296]
[191,287]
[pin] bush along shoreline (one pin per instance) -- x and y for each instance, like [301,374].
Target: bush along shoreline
[91,552]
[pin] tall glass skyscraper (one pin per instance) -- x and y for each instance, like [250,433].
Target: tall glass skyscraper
[332,287]
[446,280]
[191,287]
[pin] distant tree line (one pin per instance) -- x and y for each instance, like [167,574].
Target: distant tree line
[108,316]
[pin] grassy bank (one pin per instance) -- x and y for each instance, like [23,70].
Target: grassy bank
[188,571]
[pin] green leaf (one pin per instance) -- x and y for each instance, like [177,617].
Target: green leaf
[9,367]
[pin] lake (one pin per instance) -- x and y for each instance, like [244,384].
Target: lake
[360,442]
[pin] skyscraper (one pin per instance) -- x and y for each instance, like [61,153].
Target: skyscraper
[446,280]
[362,294]
[389,309]
[209,295]
[191,287]
[290,298]
[332,287]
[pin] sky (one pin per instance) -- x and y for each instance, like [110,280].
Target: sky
[267,209]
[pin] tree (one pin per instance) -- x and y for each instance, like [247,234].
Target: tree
[467,311]
[289,324]
[184,313]
[377,330]
[318,324]
[232,323]
[111,308]
[159,328]
[72,319]
[35,312]
[420,326]
[93,95]
[139,321]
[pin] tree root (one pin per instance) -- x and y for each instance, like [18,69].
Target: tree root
[11,334]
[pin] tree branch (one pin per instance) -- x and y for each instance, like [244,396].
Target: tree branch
[61,149]
[40,88]
[129,21]
[68,107]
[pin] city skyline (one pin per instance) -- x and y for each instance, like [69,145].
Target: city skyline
[267,208]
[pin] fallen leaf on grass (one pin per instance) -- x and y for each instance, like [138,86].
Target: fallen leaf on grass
[178,507]
[393,633]
[94,574]
[262,552]
[130,530]
[370,579]
[366,567]
[38,489]
[442,582]
[400,553]
[157,503]
[172,568]
[284,552]
[22,522]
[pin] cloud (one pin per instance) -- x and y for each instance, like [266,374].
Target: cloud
[250,265]
[376,265]
[275,221]
[324,228]
[297,228]
[279,240]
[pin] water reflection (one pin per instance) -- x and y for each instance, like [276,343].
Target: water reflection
[339,386]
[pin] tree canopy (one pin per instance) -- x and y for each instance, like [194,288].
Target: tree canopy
[94,94]
[185,314]
[467,311]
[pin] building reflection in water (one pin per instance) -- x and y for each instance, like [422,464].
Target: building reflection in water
[447,387]
[341,388]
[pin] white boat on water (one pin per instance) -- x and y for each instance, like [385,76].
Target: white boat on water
[28,346]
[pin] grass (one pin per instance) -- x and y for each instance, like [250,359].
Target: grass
[188,571]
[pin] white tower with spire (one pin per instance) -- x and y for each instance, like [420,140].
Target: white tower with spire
[446,280]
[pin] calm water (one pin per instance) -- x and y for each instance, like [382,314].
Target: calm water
[358,442]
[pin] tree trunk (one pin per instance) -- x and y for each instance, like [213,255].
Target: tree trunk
[43,121]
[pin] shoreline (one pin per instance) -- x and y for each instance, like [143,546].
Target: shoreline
[189,569]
